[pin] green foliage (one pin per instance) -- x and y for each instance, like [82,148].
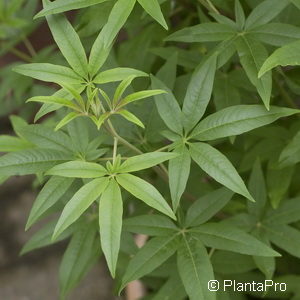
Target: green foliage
[179,93]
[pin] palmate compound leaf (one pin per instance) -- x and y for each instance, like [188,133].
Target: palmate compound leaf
[195,268]
[110,222]
[52,192]
[288,55]
[60,6]
[81,254]
[78,169]
[216,165]
[149,257]
[79,203]
[144,161]
[227,237]
[146,192]
[235,120]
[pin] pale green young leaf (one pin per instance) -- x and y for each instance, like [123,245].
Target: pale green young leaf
[265,12]
[78,169]
[117,74]
[60,6]
[110,222]
[11,144]
[81,254]
[54,100]
[205,32]
[52,192]
[152,7]
[68,42]
[31,161]
[139,96]
[98,122]
[239,15]
[68,118]
[146,192]
[207,206]
[288,55]
[155,225]
[252,56]
[179,171]
[79,203]
[120,90]
[195,269]
[167,106]
[276,34]
[74,93]
[150,256]
[284,237]
[216,165]
[199,92]
[130,117]
[49,73]
[227,237]
[235,120]
[42,238]
[144,161]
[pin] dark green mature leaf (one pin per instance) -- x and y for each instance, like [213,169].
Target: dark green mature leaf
[179,171]
[207,206]
[79,203]
[78,169]
[49,73]
[150,256]
[167,73]
[228,237]
[215,164]
[205,32]
[199,92]
[52,192]
[284,237]
[195,269]
[150,224]
[167,106]
[110,222]
[287,55]
[68,42]
[153,9]
[252,56]
[146,192]
[265,12]
[81,254]
[291,152]
[144,161]
[117,74]
[276,34]
[60,6]
[287,212]
[239,15]
[238,119]
[31,161]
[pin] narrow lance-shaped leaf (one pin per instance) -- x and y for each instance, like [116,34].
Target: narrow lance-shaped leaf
[149,257]
[54,100]
[78,169]
[130,117]
[252,56]
[228,237]
[67,119]
[52,191]
[144,161]
[11,143]
[68,42]
[239,14]
[79,203]
[195,269]
[152,7]
[215,164]
[60,6]
[199,93]
[167,106]
[235,120]
[110,222]
[179,171]
[146,192]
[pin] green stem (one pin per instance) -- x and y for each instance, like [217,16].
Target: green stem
[20,54]
[208,4]
[115,150]
[29,47]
